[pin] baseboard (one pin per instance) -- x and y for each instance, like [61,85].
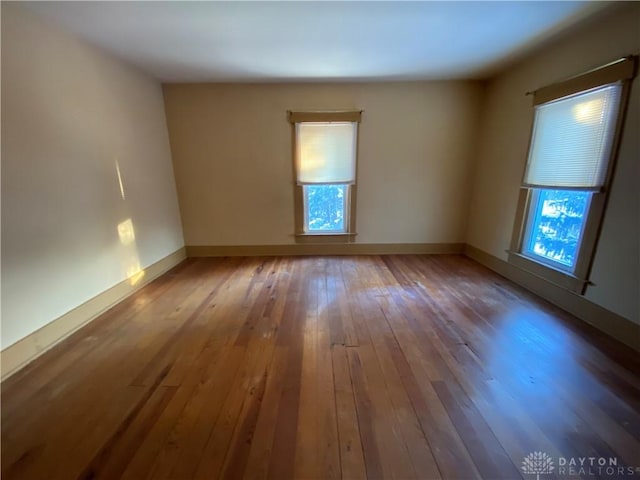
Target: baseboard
[612,324]
[322,249]
[18,355]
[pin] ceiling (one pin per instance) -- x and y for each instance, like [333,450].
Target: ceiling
[184,41]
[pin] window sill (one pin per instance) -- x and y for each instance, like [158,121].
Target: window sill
[336,237]
[552,275]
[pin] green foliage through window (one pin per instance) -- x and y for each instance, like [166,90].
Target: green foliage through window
[325,207]
[558,218]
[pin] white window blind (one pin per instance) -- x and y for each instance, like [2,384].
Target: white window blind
[326,152]
[572,138]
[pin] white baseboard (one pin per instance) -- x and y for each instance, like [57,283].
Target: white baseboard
[18,355]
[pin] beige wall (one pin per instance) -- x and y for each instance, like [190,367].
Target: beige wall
[427,173]
[69,113]
[231,148]
[506,124]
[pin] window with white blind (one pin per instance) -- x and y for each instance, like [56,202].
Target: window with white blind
[575,131]
[325,172]
[571,140]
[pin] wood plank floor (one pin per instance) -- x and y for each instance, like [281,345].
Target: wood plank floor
[381,367]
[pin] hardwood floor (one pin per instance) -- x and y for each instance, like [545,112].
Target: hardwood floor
[392,367]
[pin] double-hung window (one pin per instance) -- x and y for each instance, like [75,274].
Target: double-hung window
[575,132]
[325,152]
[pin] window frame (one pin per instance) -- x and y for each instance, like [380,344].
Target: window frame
[577,279]
[300,221]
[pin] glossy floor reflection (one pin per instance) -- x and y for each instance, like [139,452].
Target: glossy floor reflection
[324,367]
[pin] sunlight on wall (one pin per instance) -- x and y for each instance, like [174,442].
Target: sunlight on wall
[132,268]
[127,235]
[119,179]
[135,273]
[126,232]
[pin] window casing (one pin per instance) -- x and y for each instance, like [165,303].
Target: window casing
[325,167]
[574,139]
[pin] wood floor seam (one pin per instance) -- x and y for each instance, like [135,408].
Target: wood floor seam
[324,367]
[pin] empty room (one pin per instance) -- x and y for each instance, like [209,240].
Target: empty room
[320,240]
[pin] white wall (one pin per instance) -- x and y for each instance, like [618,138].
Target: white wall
[232,156]
[506,124]
[69,114]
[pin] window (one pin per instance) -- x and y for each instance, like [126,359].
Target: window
[566,179]
[555,226]
[325,172]
[325,208]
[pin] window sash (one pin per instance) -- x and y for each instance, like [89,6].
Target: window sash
[532,219]
[346,202]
